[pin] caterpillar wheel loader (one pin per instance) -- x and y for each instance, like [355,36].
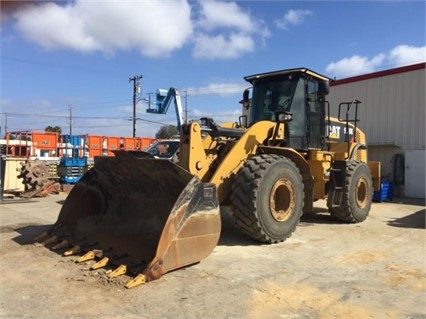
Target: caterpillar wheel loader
[147,217]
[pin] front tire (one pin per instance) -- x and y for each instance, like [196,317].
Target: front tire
[267,198]
[357,194]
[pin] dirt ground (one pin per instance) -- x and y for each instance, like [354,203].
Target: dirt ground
[375,269]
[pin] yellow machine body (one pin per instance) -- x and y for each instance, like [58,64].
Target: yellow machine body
[148,216]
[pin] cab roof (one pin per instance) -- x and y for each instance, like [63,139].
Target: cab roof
[254,77]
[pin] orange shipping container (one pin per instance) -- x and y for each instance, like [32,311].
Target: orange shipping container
[131,143]
[146,142]
[30,143]
[113,144]
[94,145]
[45,140]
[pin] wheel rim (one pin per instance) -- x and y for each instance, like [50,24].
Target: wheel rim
[362,193]
[282,200]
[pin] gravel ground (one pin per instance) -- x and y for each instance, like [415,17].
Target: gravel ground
[375,269]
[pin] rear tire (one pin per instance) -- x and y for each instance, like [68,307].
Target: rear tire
[267,198]
[357,196]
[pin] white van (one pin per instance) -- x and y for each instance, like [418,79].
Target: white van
[165,149]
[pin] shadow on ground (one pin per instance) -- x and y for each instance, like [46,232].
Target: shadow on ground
[415,220]
[27,233]
[7,201]
[232,236]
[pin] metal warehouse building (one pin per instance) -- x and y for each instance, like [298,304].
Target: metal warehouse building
[392,114]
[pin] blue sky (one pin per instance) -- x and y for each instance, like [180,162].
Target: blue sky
[79,55]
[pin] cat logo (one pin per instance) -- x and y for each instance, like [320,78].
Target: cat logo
[336,131]
[45,142]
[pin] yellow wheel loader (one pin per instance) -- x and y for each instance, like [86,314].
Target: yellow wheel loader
[148,217]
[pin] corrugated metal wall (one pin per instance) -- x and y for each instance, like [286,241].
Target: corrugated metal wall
[392,113]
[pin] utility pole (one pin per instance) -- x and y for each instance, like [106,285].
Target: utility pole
[5,125]
[70,120]
[136,87]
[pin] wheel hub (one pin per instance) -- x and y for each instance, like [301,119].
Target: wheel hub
[362,193]
[282,200]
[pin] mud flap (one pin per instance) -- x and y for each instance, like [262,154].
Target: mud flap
[151,213]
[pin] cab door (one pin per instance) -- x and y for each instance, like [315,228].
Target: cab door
[315,116]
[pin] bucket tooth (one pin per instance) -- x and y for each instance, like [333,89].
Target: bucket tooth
[100,264]
[119,271]
[99,252]
[138,280]
[41,237]
[79,246]
[74,250]
[90,255]
[62,244]
[51,240]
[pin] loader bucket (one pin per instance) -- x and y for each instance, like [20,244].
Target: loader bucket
[149,215]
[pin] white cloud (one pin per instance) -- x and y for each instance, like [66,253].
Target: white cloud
[5,102]
[225,31]
[292,18]
[356,65]
[219,118]
[213,16]
[220,89]
[52,27]
[405,55]
[155,28]
[222,47]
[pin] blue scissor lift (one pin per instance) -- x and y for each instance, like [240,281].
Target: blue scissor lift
[73,161]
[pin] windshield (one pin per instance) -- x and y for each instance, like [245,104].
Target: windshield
[272,95]
[163,149]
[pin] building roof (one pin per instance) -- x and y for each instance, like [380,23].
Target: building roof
[373,75]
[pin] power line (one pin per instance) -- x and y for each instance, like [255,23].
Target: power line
[60,116]
[97,105]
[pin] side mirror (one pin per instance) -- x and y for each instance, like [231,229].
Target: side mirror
[246,94]
[246,98]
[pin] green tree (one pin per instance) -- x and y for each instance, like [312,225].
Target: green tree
[53,129]
[167,131]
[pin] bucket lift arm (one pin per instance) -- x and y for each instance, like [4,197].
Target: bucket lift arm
[163,103]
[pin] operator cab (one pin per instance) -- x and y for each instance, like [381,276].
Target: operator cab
[299,95]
